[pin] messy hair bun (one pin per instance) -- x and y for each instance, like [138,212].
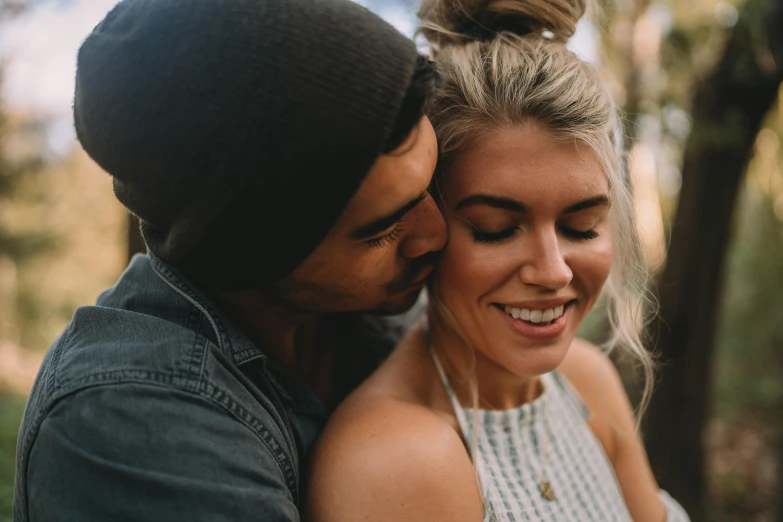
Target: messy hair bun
[450,22]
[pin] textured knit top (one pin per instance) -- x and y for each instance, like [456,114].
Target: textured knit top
[546,442]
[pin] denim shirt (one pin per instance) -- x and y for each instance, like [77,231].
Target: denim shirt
[153,406]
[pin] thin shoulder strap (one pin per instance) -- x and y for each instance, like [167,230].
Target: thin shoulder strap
[458,410]
[566,390]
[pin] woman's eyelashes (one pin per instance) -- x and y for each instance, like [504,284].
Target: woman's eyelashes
[483,236]
[389,238]
[580,235]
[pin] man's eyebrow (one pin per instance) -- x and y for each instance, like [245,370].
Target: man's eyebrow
[492,201]
[380,224]
[596,201]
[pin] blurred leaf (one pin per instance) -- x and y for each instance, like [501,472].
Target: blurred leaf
[23,246]
[11,409]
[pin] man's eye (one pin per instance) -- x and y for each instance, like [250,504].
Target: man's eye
[388,238]
[481,236]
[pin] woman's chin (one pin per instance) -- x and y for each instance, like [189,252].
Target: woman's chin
[527,361]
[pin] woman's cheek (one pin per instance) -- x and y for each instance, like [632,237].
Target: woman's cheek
[604,258]
[463,268]
[592,266]
[455,261]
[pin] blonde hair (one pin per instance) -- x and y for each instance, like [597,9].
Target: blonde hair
[505,63]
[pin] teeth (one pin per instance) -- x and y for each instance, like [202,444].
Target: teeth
[513,312]
[535,316]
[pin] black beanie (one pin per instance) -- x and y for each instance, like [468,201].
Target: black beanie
[238,130]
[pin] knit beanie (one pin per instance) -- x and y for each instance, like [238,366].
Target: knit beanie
[238,130]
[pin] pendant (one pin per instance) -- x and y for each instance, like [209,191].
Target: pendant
[546,490]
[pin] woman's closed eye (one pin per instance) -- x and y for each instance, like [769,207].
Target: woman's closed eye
[582,227]
[580,235]
[486,236]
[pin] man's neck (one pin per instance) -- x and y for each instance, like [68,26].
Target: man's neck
[287,336]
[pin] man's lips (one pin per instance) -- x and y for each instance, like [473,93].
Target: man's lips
[421,279]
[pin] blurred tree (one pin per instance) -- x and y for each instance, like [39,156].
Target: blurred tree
[10,8]
[777,345]
[728,109]
[13,169]
[13,247]
[20,156]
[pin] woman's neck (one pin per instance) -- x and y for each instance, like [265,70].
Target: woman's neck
[498,388]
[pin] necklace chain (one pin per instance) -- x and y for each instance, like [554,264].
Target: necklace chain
[544,486]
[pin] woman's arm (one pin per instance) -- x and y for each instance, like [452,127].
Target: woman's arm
[597,381]
[385,460]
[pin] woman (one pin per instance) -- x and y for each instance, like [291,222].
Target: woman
[540,224]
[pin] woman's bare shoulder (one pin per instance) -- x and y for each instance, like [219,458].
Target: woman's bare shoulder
[585,362]
[593,374]
[382,458]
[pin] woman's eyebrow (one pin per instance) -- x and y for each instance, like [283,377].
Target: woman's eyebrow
[595,201]
[515,206]
[492,201]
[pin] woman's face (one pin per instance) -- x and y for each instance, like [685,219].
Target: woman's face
[529,245]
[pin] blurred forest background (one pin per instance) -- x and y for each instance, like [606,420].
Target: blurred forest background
[700,86]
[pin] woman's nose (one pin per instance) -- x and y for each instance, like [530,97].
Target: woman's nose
[544,264]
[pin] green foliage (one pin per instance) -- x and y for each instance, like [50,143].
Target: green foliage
[11,409]
[18,245]
[10,8]
[752,319]
[16,185]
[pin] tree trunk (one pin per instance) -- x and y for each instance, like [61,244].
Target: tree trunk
[728,110]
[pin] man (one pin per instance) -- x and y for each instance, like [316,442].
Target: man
[276,155]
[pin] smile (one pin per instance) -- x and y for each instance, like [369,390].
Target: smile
[536,316]
[542,317]
[537,323]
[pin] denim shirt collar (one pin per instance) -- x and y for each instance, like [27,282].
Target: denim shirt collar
[234,343]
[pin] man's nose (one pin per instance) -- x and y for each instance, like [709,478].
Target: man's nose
[428,233]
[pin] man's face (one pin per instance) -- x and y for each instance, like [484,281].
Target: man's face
[380,251]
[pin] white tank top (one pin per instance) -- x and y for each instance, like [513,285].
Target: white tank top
[545,448]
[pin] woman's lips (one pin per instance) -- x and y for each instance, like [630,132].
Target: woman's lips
[541,330]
